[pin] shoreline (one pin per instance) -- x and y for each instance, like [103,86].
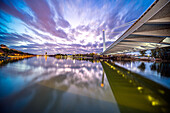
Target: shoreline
[10,57]
[92,58]
[124,59]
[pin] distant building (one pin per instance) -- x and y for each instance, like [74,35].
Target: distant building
[45,53]
[1,52]
[3,46]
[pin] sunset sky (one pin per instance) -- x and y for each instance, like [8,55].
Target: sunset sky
[66,26]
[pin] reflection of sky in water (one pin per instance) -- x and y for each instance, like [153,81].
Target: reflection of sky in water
[73,77]
[146,71]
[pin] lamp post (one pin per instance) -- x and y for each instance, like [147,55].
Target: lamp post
[104,46]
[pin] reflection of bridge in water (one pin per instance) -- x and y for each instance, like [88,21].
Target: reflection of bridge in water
[150,31]
[134,93]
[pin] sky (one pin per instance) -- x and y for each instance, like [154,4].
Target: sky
[66,26]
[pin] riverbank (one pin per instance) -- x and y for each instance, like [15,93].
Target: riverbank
[147,59]
[2,58]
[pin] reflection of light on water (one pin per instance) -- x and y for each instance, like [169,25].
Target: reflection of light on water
[38,56]
[46,57]
[161,91]
[1,61]
[134,68]
[153,101]
[69,58]
[150,98]
[67,69]
[66,65]
[102,85]
[60,60]
[130,81]
[139,88]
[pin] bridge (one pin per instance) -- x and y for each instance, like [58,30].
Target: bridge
[150,31]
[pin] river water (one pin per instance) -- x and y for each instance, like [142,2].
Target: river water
[55,85]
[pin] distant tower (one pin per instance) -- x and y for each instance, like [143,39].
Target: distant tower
[45,53]
[104,46]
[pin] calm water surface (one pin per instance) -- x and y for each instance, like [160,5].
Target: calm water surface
[158,72]
[51,85]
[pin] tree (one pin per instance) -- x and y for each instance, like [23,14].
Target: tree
[153,53]
[163,53]
[6,52]
[142,67]
[143,52]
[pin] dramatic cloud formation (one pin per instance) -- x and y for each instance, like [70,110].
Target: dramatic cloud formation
[66,26]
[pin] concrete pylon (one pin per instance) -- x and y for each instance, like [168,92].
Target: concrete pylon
[104,46]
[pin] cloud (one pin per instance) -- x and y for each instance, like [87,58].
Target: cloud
[11,9]
[63,23]
[59,26]
[82,41]
[14,38]
[44,17]
[83,28]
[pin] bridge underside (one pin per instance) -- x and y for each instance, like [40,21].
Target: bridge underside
[150,31]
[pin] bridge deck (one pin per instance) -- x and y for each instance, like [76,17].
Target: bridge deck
[150,31]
